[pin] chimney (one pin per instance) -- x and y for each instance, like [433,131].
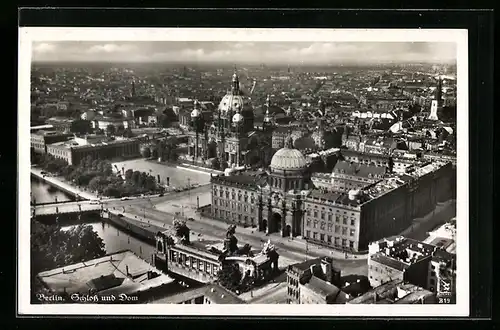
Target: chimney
[126,270]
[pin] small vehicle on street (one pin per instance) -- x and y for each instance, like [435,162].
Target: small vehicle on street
[125,198]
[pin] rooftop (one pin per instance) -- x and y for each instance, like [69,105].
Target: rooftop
[326,289]
[390,262]
[361,170]
[121,272]
[215,293]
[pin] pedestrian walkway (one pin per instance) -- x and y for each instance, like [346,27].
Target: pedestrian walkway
[58,182]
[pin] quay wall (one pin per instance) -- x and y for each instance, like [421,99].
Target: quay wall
[54,184]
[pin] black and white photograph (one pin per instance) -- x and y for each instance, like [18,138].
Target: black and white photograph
[166,168]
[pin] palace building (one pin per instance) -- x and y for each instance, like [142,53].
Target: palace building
[285,200]
[271,201]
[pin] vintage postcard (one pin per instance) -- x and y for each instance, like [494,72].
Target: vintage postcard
[160,169]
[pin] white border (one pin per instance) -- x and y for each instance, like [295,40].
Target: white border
[27,35]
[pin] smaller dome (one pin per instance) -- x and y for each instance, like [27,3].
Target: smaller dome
[237,118]
[288,159]
[195,113]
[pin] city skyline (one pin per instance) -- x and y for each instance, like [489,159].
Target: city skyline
[293,53]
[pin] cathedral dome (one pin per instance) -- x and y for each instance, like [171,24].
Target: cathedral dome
[234,100]
[288,159]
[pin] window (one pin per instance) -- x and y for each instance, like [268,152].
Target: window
[308,233]
[330,227]
[337,229]
[308,223]
[322,237]
[322,226]
[215,202]
[344,220]
[351,244]
[322,215]
[329,217]
[246,199]
[344,242]
[329,239]
[315,224]
[315,235]
[432,281]
[351,233]
[433,274]
[353,221]
[344,231]
[337,218]
[315,214]
[336,241]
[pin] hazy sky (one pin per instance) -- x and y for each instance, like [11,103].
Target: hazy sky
[245,52]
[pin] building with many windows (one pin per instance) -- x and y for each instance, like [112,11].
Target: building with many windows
[40,139]
[350,221]
[73,151]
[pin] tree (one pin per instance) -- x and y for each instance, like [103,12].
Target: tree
[181,230]
[136,177]
[120,129]
[51,248]
[170,151]
[150,183]
[229,276]
[110,130]
[81,126]
[128,175]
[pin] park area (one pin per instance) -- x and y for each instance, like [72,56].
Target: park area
[178,178]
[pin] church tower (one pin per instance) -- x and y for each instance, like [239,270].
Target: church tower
[267,124]
[437,103]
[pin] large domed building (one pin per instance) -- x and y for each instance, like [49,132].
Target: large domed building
[275,198]
[289,169]
[227,137]
[235,101]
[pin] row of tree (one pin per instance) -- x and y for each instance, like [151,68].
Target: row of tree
[97,175]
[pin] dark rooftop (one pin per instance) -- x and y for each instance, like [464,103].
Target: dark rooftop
[390,262]
[242,178]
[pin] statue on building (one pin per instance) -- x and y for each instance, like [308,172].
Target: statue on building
[231,242]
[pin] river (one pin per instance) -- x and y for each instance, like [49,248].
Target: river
[114,239]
